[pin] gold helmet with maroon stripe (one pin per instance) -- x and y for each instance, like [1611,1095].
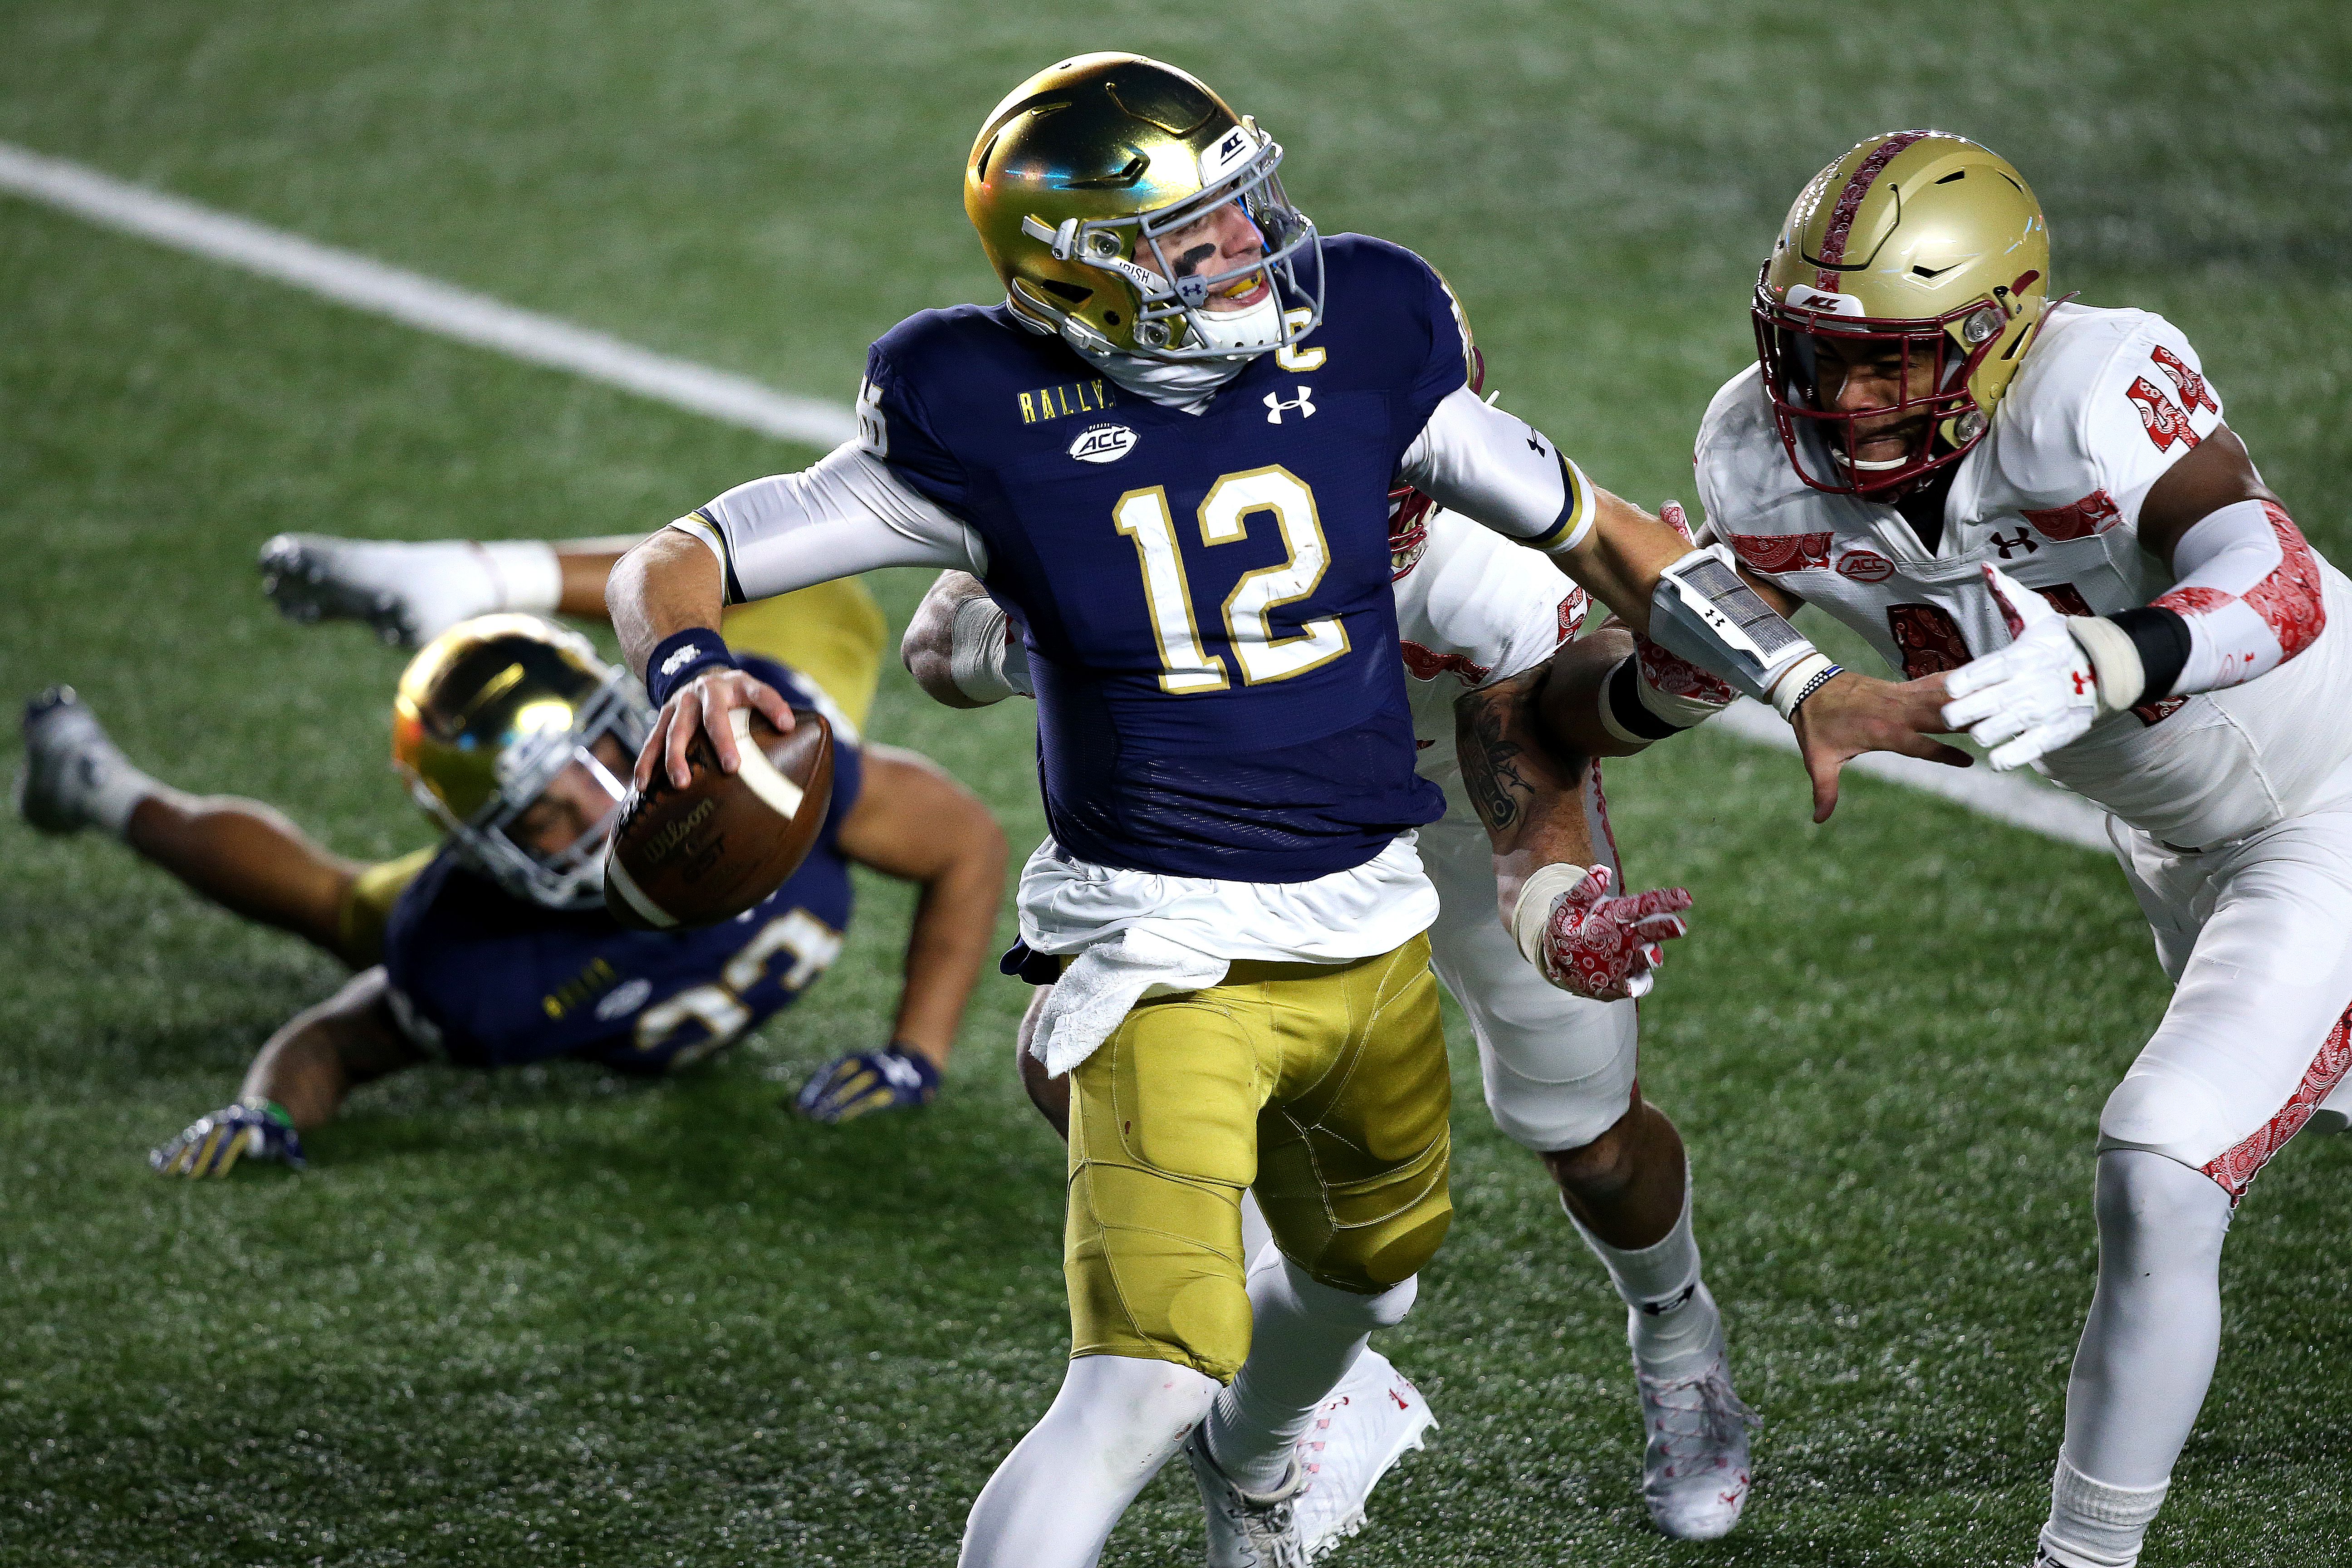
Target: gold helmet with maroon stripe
[1916,239]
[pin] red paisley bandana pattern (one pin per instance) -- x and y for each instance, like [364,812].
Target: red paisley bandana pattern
[1678,676]
[1422,664]
[1593,944]
[2288,600]
[2191,385]
[1775,554]
[2164,423]
[1929,639]
[1849,205]
[2095,513]
[2235,1169]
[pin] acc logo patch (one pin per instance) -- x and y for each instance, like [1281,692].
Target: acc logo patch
[624,1000]
[1865,566]
[1103,444]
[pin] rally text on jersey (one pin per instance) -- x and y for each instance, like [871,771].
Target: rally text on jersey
[1053,402]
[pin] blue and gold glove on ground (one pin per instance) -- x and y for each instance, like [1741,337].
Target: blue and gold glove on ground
[895,1078]
[255,1129]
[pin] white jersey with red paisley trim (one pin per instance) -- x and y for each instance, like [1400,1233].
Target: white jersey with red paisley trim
[2107,401]
[1472,608]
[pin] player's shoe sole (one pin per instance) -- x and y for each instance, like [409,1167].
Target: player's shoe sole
[309,577]
[1371,1420]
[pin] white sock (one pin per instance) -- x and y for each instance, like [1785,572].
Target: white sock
[524,575]
[2094,1525]
[2147,1353]
[116,791]
[1672,1319]
[1304,1336]
[1052,1501]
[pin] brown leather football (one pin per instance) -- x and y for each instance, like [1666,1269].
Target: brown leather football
[704,853]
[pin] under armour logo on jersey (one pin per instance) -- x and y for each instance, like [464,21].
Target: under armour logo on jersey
[2010,547]
[1303,403]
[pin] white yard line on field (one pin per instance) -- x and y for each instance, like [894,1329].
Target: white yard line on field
[432,306]
[424,302]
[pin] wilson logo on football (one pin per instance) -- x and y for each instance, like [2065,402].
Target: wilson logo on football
[1865,566]
[1103,444]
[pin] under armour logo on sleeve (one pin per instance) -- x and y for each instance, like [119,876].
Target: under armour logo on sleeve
[1303,403]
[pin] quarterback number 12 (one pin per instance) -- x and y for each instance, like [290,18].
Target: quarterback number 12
[1186,665]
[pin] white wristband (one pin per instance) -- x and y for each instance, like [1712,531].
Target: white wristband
[2114,660]
[1533,911]
[1799,681]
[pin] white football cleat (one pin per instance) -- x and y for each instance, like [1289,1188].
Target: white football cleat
[1695,1467]
[68,759]
[409,593]
[1247,1530]
[1370,1421]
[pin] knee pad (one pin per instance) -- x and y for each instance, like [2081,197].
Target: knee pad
[2169,1112]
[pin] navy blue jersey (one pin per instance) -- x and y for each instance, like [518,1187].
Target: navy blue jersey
[1205,596]
[502,982]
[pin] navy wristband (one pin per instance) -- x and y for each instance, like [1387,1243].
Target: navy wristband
[680,657]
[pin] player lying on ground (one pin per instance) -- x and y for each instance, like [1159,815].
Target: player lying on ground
[2033,508]
[1485,627]
[1170,454]
[495,950]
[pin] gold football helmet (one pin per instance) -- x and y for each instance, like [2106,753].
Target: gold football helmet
[1918,238]
[487,715]
[1090,161]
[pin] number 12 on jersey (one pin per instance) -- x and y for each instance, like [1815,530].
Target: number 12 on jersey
[1186,667]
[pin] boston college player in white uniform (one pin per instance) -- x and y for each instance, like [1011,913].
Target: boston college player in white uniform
[1481,620]
[2035,506]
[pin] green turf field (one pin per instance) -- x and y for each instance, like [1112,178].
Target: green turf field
[555,1317]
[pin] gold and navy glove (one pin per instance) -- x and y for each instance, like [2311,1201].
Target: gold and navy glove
[254,1127]
[895,1078]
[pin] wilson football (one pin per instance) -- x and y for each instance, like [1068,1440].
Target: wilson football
[699,854]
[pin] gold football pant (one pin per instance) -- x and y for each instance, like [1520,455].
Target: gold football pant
[832,633]
[1322,1087]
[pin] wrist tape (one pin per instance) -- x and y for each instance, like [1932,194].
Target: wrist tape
[976,651]
[680,657]
[1801,680]
[2122,678]
[1533,911]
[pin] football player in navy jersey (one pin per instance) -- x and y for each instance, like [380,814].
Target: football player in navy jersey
[495,950]
[1170,453]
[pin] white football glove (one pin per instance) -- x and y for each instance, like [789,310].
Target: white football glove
[2039,693]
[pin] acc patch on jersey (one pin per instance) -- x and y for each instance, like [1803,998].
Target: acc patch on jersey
[1103,444]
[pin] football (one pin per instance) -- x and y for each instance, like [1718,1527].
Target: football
[699,854]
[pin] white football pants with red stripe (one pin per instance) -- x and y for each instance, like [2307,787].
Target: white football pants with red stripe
[2256,936]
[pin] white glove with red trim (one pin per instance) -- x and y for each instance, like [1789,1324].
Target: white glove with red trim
[2039,693]
[1589,943]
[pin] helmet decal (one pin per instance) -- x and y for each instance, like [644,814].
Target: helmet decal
[1848,204]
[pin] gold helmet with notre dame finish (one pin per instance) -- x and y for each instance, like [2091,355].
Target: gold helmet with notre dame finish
[1099,158]
[485,716]
[1918,239]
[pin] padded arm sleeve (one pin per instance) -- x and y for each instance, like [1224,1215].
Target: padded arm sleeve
[2249,592]
[1497,469]
[847,513]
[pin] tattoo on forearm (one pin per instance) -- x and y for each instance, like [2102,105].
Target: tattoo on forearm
[1490,758]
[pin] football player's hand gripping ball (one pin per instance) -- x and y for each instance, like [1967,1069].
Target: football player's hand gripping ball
[895,1078]
[2030,698]
[253,1129]
[1604,948]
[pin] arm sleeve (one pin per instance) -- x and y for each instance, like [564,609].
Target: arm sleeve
[1497,469]
[848,514]
[2249,594]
